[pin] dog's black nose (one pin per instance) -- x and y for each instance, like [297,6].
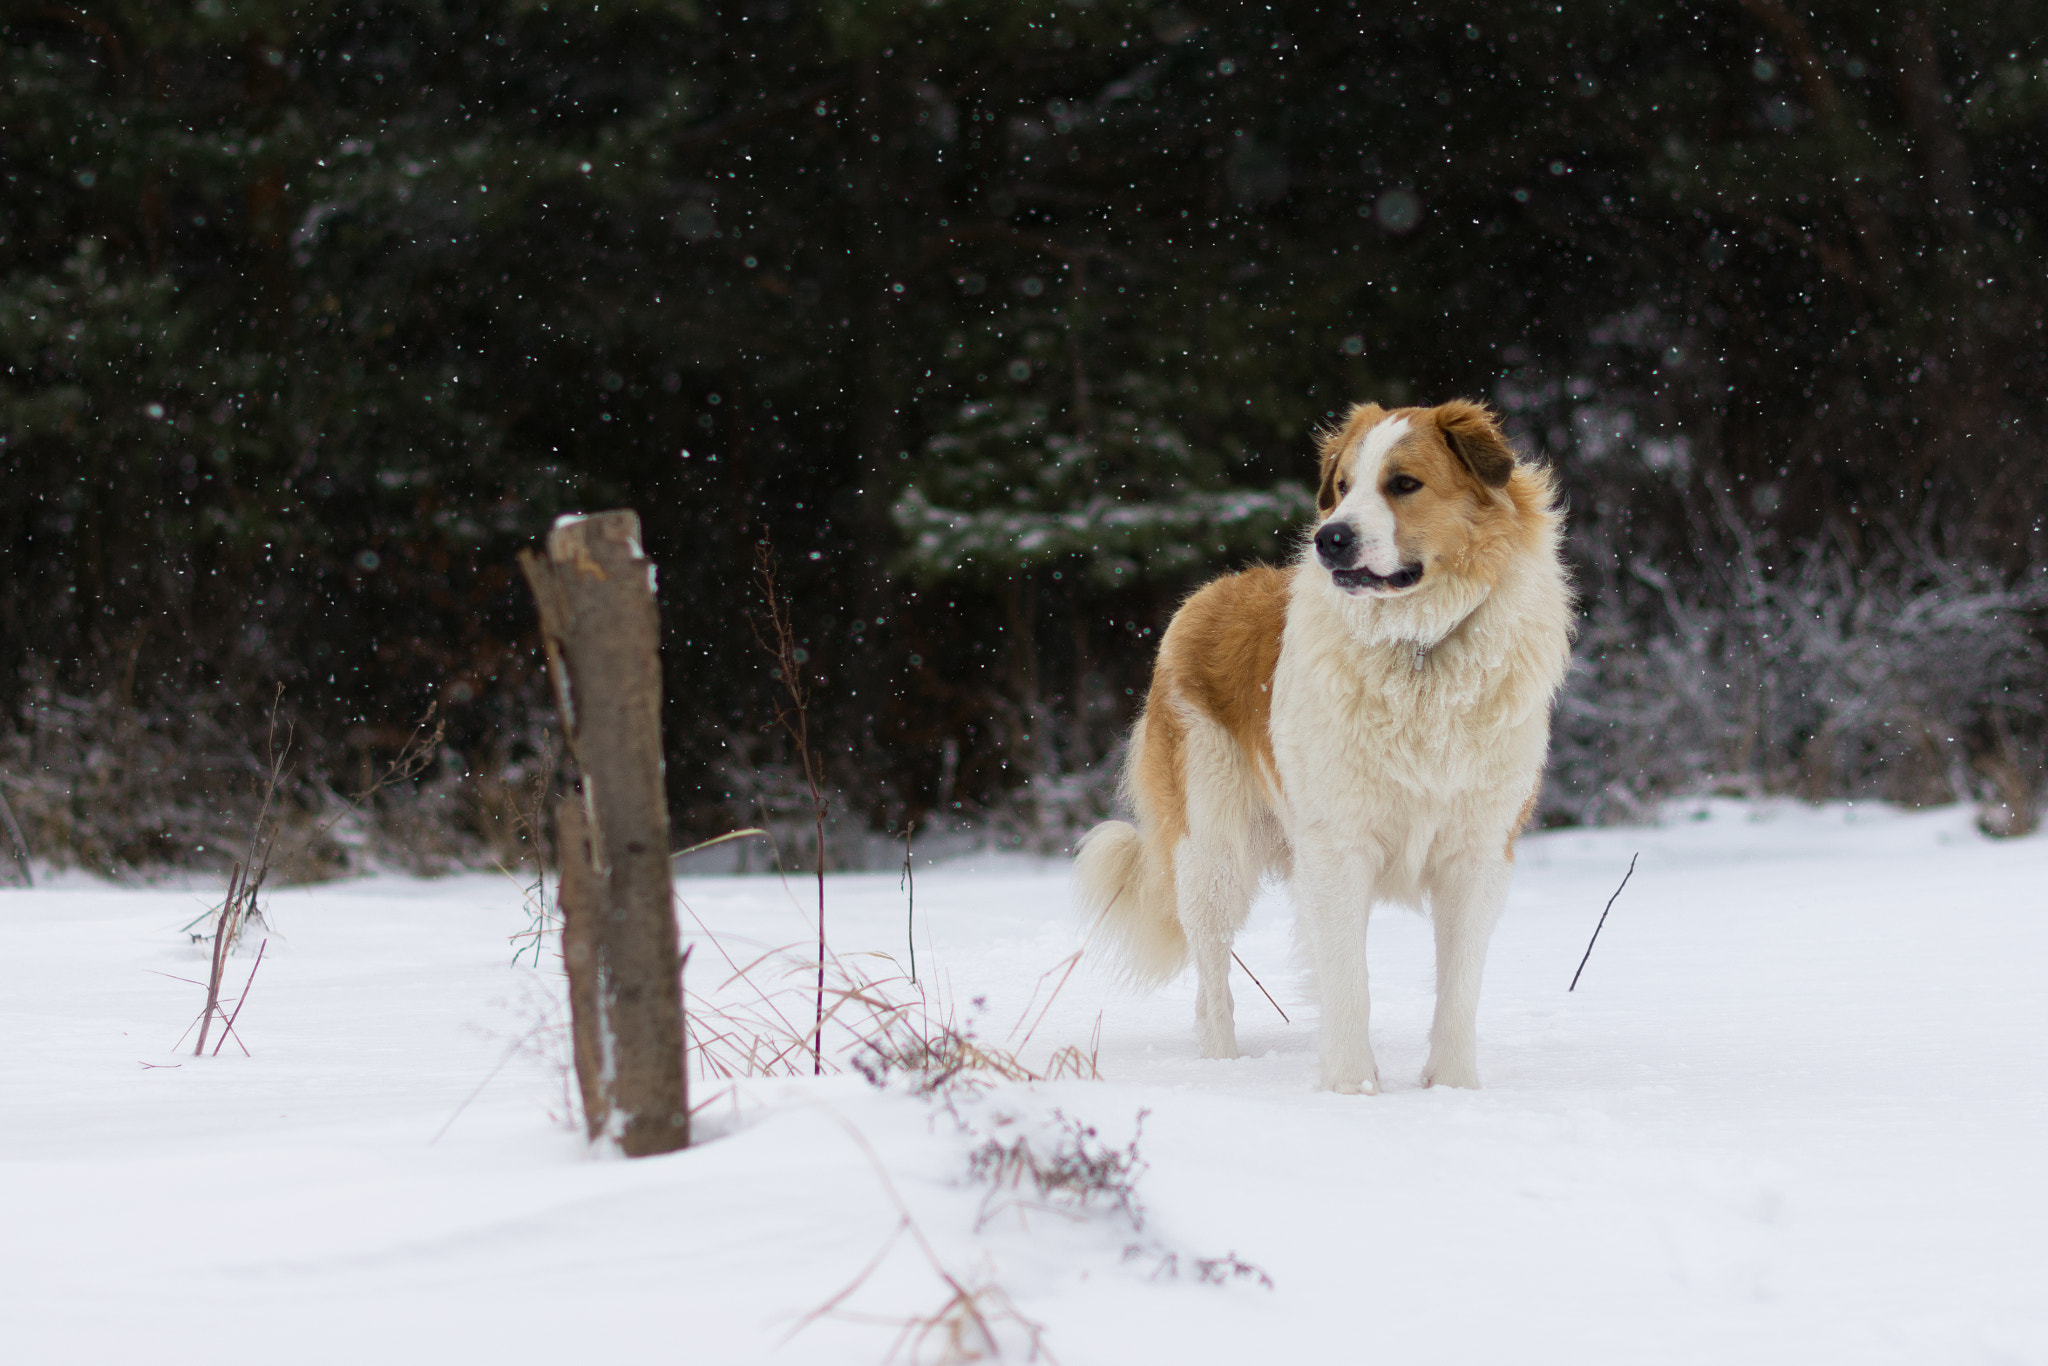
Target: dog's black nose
[1334,544]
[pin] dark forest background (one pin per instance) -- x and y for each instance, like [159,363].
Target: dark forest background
[1004,323]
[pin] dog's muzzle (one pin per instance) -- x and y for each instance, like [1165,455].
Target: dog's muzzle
[1337,547]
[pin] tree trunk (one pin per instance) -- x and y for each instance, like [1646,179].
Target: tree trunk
[602,631]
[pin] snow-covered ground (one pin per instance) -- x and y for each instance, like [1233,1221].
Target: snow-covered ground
[1795,1112]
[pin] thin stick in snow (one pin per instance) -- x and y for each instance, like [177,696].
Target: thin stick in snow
[1260,985]
[228,1029]
[1603,920]
[223,938]
[909,883]
[779,640]
[489,1077]
[966,1322]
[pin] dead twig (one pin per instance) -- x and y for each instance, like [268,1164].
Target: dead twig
[966,1323]
[1261,986]
[418,751]
[1206,1270]
[236,910]
[908,882]
[245,885]
[228,1029]
[517,1044]
[530,826]
[779,640]
[1603,920]
[727,837]
[1078,1171]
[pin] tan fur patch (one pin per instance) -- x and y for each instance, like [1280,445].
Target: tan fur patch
[1472,434]
[1522,820]
[1218,656]
[1161,772]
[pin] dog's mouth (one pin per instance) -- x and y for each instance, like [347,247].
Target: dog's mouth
[1363,580]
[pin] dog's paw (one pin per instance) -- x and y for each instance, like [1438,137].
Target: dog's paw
[1216,1040]
[1463,1074]
[1369,1086]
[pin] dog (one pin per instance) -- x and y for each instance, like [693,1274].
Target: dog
[1368,723]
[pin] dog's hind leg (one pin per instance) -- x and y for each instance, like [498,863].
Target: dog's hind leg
[1216,884]
[1216,869]
[1465,904]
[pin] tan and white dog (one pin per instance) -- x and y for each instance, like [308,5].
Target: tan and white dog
[1369,723]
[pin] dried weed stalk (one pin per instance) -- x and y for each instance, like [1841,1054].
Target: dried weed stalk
[1064,1168]
[242,906]
[778,637]
[907,884]
[1077,1175]
[527,805]
[976,1320]
[1205,1270]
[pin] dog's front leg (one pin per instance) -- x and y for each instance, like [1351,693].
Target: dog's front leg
[1335,892]
[1465,905]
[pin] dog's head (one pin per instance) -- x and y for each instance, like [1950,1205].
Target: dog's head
[1411,495]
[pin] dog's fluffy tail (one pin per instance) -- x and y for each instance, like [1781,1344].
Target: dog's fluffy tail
[1127,891]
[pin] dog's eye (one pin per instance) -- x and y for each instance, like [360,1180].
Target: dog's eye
[1403,483]
[1343,487]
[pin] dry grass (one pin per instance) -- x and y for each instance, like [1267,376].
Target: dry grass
[759,1018]
[1075,1175]
[754,1022]
[240,908]
[519,810]
[976,1321]
[866,1014]
[763,1019]
[1204,1270]
[776,635]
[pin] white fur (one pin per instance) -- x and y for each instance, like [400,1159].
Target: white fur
[1403,785]
[1365,506]
[1394,783]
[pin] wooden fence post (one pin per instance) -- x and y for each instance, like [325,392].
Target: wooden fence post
[599,622]
[580,897]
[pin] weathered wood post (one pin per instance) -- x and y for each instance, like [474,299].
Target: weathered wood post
[599,622]
[580,895]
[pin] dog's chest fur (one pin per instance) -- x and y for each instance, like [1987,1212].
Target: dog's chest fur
[1364,739]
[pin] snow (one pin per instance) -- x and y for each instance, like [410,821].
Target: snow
[1794,1112]
[950,538]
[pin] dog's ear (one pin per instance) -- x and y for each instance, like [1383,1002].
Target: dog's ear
[1361,419]
[1474,437]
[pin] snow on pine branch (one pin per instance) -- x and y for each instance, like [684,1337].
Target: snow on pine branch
[1155,537]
